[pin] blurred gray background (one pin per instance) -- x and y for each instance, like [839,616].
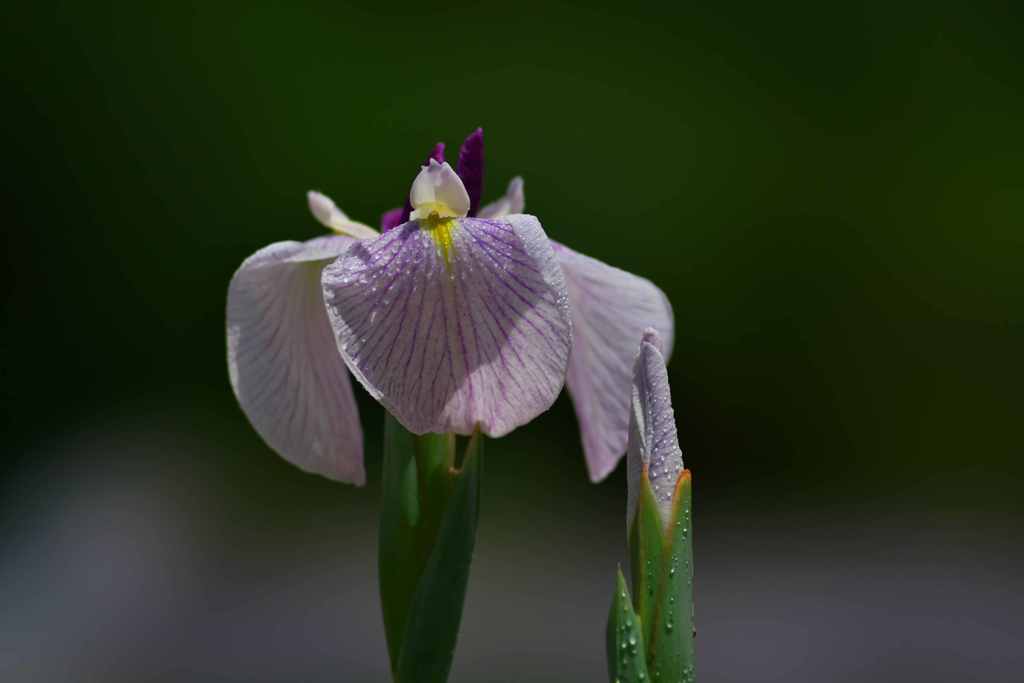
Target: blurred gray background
[831,196]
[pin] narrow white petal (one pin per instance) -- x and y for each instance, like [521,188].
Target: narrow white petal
[610,310]
[513,201]
[324,209]
[283,362]
[329,215]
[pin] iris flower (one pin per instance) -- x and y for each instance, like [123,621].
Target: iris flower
[455,317]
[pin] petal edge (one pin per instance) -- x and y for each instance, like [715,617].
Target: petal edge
[611,308]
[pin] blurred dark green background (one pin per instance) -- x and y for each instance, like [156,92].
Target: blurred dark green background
[832,197]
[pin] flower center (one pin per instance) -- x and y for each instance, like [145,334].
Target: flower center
[438,199]
[440,229]
[433,210]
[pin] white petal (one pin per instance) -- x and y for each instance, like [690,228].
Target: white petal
[451,330]
[324,209]
[513,201]
[438,190]
[284,364]
[653,440]
[329,215]
[610,310]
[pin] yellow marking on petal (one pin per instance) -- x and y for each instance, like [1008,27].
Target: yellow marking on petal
[441,230]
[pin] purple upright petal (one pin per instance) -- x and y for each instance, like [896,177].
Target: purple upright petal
[391,218]
[437,154]
[284,364]
[610,310]
[450,327]
[653,440]
[471,168]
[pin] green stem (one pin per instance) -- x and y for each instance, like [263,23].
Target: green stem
[427,534]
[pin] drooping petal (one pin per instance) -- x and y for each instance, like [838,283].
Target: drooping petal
[284,364]
[610,309]
[391,218]
[437,154]
[653,440]
[438,191]
[513,201]
[327,212]
[471,168]
[454,323]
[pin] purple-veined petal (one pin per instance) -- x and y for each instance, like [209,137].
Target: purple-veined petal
[653,440]
[437,154]
[471,168]
[513,201]
[463,323]
[283,361]
[610,310]
[391,218]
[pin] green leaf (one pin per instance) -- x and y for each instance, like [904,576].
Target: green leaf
[428,643]
[427,533]
[398,568]
[672,645]
[646,542]
[662,566]
[625,640]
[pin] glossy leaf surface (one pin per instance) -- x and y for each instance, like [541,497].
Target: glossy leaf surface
[625,643]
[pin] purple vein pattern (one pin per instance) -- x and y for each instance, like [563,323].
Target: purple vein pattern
[610,310]
[283,363]
[653,440]
[480,338]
